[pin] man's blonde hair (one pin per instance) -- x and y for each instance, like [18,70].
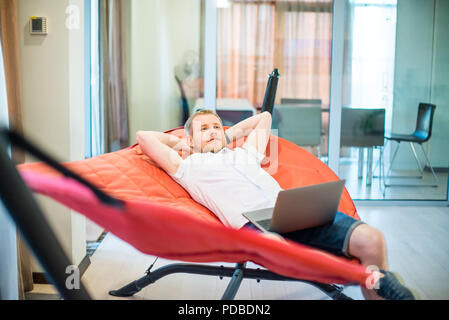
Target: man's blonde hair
[188,124]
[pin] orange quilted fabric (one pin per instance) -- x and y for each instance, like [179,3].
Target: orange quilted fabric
[129,174]
[160,218]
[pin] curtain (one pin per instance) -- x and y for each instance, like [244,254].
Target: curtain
[113,79]
[10,48]
[10,45]
[292,35]
[245,50]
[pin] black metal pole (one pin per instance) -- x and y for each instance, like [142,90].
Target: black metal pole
[270,91]
[24,210]
[27,146]
[234,284]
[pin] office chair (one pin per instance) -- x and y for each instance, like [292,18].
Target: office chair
[422,134]
[364,129]
[184,103]
[307,103]
[300,125]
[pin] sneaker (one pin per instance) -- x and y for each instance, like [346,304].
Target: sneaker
[392,287]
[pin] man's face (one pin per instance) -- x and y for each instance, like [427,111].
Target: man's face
[207,133]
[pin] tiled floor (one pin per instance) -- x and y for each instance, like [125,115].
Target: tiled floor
[359,190]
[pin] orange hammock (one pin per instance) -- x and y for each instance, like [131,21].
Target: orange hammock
[160,218]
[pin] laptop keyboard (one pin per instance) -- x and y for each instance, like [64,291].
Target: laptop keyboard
[265,224]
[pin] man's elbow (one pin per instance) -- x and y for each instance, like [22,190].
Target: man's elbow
[139,136]
[142,136]
[267,115]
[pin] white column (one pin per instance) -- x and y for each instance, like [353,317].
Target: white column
[338,30]
[210,54]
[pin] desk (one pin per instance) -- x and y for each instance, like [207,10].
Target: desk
[363,128]
[231,111]
[228,104]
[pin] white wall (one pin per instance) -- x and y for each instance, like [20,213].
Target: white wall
[53,103]
[159,33]
[421,75]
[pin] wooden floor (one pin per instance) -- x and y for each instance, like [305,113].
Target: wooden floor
[418,248]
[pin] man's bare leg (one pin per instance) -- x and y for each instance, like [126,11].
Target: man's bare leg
[368,245]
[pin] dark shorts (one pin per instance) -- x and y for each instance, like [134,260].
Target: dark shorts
[332,237]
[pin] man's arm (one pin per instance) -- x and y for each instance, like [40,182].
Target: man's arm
[257,128]
[160,147]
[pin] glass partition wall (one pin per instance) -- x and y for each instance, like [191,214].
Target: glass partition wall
[356,88]
[395,100]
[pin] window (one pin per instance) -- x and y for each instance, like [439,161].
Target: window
[254,37]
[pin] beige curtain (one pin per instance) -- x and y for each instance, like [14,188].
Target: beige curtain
[292,35]
[10,45]
[245,50]
[10,48]
[113,79]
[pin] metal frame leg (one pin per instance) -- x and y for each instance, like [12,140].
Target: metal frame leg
[369,167]
[31,222]
[234,284]
[237,274]
[361,162]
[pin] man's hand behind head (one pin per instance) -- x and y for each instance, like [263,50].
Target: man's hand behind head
[183,147]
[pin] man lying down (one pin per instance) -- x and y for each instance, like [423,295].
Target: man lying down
[215,176]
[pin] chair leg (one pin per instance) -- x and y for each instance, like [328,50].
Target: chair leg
[421,170]
[379,164]
[392,160]
[430,166]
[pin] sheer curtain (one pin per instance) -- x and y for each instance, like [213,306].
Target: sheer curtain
[113,79]
[292,35]
[245,50]
[303,43]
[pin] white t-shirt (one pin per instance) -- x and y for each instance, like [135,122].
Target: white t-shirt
[228,182]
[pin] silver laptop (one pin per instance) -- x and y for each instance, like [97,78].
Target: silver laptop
[300,208]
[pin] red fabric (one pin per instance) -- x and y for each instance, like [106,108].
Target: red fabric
[160,218]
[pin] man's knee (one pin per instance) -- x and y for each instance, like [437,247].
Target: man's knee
[367,242]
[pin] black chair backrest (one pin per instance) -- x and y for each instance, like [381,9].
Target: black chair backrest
[270,91]
[424,121]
